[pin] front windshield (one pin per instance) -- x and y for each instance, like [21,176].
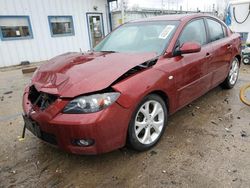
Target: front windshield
[139,37]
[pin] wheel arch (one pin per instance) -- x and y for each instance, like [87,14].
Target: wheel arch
[163,95]
[239,58]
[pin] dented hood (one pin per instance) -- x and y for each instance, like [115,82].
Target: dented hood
[73,74]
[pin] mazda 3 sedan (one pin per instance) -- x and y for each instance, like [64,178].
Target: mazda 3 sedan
[122,92]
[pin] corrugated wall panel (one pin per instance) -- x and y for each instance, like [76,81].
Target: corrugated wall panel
[43,46]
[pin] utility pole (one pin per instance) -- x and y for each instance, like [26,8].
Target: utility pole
[122,10]
[161,6]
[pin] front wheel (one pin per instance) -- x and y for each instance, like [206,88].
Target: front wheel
[233,75]
[148,123]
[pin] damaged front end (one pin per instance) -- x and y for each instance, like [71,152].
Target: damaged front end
[40,99]
[136,69]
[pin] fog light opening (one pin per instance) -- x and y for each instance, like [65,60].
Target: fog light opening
[84,142]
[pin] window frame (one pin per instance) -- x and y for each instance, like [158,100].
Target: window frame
[88,26]
[177,43]
[17,38]
[193,20]
[61,35]
[225,32]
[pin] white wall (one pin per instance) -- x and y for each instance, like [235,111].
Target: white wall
[43,46]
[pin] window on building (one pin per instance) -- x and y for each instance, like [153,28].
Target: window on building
[15,27]
[215,30]
[61,25]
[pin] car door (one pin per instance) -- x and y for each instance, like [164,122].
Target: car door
[192,79]
[221,50]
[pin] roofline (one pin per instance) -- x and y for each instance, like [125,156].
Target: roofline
[183,18]
[169,12]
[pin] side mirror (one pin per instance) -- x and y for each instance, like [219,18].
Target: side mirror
[188,48]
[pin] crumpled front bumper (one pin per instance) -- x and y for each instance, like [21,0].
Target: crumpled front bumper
[108,128]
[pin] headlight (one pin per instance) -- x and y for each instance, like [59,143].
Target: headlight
[90,104]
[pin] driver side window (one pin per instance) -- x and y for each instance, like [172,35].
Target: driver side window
[194,32]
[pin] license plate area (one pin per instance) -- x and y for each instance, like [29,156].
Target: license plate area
[32,126]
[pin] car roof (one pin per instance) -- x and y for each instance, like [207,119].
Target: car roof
[173,17]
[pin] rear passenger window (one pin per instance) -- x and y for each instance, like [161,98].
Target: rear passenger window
[215,29]
[194,32]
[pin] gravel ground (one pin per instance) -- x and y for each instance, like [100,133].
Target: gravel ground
[206,144]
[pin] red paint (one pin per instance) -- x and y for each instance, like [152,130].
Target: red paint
[190,47]
[74,74]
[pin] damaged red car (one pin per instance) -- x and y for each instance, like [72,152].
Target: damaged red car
[123,91]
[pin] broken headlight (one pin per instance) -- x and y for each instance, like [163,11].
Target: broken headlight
[91,103]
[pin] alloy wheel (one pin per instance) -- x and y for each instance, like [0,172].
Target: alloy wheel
[234,72]
[149,122]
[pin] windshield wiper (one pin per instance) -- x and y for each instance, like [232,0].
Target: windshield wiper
[108,51]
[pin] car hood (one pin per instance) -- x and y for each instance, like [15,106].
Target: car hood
[73,74]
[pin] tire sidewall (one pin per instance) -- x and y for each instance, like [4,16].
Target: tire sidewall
[248,58]
[132,139]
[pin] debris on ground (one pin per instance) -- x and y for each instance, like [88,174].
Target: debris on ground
[213,122]
[235,179]
[233,171]
[29,70]
[153,152]
[243,134]
[114,178]
[226,100]
[8,92]
[24,63]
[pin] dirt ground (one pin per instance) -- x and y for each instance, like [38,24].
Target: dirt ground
[206,144]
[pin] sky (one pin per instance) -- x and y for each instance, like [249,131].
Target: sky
[203,5]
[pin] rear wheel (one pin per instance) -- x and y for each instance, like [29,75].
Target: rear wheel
[148,123]
[233,74]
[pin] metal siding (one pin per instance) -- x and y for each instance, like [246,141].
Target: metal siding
[43,46]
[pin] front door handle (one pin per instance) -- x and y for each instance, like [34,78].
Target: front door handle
[208,55]
[229,46]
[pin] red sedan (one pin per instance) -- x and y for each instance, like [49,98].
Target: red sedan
[123,91]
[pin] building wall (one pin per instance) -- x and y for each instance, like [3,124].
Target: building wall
[43,46]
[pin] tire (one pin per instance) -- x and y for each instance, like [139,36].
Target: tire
[246,60]
[233,75]
[145,130]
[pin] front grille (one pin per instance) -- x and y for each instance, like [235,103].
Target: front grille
[40,99]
